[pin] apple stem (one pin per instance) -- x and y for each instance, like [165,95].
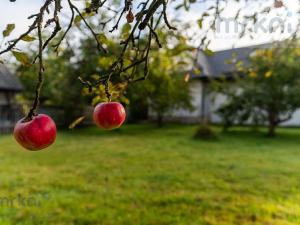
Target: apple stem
[32,111]
[108,95]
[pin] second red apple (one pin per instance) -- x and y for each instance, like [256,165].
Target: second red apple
[109,115]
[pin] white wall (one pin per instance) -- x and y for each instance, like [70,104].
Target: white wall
[196,93]
[184,115]
[213,103]
[219,99]
[295,121]
[216,100]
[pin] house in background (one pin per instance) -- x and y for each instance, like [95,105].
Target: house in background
[214,67]
[10,111]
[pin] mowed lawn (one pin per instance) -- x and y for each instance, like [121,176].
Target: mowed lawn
[141,175]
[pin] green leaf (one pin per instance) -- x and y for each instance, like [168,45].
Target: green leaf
[77,19]
[179,6]
[21,57]
[126,28]
[208,52]
[102,38]
[95,77]
[197,71]
[28,38]
[200,23]
[9,28]
[87,4]
[126,31]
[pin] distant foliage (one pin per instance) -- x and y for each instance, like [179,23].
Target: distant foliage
[137,28]
[62,93]
[166,87]
[268,91]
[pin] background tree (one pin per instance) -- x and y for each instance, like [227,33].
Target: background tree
[164,91]
[145,17]
[269,93]
[62,90]
[166,87]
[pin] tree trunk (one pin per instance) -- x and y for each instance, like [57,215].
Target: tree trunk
[272,124]
[159,120]
[225,127]
[271,130]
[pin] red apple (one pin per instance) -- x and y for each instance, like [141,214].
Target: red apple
[109,115]
[36,134]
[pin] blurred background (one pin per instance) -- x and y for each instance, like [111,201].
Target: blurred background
[211,135]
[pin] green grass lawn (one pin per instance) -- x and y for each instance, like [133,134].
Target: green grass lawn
[141,175]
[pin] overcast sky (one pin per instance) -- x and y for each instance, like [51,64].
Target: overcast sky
[18,12]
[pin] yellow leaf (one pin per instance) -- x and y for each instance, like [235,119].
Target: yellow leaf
[21,57]
[28,38]
[9,28]
[268,74]
[187,77]
[76,122]
[197,71]
[252,74]
[270,54]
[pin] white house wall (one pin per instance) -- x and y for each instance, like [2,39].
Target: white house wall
[184,115]
[295,121]
[212,103]
[216,100]
[219,99]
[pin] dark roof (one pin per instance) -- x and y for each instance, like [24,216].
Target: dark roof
[218,64]
[8,81]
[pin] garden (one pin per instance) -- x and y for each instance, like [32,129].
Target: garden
[166,177]
[130,112]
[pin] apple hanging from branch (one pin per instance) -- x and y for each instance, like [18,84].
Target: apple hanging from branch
[109,115]
[35,134]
